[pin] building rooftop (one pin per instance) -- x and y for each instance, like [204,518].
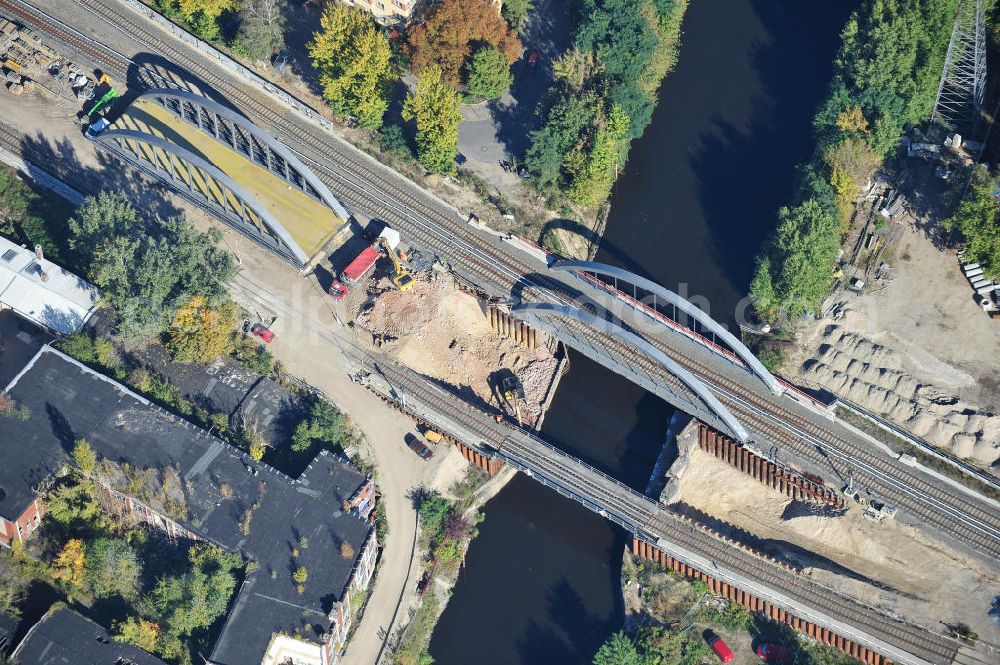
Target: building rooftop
[212,488]
[41,291]
[66,638]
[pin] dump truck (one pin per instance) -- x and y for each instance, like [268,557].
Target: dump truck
[384,244]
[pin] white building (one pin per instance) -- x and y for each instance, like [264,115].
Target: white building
[43,292]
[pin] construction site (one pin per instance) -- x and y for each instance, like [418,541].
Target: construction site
[851,547]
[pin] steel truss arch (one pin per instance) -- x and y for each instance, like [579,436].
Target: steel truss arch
[963,79]
[238,133]
[548,310]
[265,229]
[735,345]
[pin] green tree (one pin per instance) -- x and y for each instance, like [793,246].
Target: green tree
[515,12]
[765,300]
[807,240]
[300,575]
[436,109]
[262,28]
[488,73]
[392,139]
[433,510]
[72,503]
[564,125]
[354,61]
[13,587]
[324,425]
[84,456]
[618,650]
[113,568]
[15,197]
[593,172]
[976,218]
[203,15]
[145,271]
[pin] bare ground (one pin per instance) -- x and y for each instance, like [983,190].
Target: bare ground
[443,332]
[919,352]
[921,579]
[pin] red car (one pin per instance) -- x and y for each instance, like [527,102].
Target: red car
[531,62]
[337,290]
[720,648]
[772,653]
[417,446]
[260,330]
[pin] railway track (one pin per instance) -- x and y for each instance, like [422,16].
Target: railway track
[650,517]
[392,197]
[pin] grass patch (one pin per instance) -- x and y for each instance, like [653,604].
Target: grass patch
[412,648]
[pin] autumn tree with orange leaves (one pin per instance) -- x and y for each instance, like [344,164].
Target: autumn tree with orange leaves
[447,35]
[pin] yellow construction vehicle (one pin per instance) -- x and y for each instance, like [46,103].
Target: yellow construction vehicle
[401,277]
[513,394]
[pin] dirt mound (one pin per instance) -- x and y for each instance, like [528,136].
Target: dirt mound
[443,332]
[872,375]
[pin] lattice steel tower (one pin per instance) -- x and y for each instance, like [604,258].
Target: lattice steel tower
[963,81]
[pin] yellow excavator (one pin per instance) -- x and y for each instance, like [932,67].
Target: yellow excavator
[513,394]
[401,277]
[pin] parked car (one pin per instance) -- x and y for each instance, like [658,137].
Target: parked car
[419,447]
[772,653]
[720,648]
[531,62]
[260,330]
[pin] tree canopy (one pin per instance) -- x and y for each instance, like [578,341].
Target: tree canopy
[262,28]
[146,270]
[976,218]
[200,333]
[354,61]
[618,650]
[436,109]
[451,29]
[489,73]
[113,568]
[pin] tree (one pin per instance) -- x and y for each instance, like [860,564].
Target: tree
[262,28]
[199,333]
[145,271]
[488,73]
[564,125]
[69,564]
[515,12]
[436,109]
[300,575]
[346,550]
[72,503]
[15,197]
[618,650]
[977,220]
[433,509]
[765,301]
[182,604]
[354,61]
[621,35]
[593,173]
[84,456]
[113,568]
[852,119]
[203,15]
[806,245]
[392,139]
[139,632]
[13,585]
[323,425]
[451,29]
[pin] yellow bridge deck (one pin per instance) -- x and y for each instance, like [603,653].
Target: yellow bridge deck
[309,222]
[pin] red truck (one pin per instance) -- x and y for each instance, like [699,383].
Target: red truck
[356,270]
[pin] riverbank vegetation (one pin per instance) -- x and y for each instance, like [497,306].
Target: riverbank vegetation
[885,77]
[674,614]
[604,95]
[446,527]
[976,218]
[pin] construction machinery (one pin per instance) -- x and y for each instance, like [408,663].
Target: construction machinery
[104,97]
[401,277]
[512,391]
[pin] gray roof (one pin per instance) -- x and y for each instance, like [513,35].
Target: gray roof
[69,401]
[66,638]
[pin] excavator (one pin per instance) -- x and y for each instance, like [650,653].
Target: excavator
[401,277]
[513,394]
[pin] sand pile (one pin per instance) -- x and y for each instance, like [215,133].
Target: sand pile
[872,375]
[444,333]
[916,576]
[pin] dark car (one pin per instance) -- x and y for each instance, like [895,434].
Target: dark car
[531,61]
[260,330]
[772,653]
[418,446]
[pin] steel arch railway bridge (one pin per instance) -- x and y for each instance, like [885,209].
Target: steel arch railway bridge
[228,166]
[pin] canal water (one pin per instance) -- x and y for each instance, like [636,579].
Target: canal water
[698,197]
